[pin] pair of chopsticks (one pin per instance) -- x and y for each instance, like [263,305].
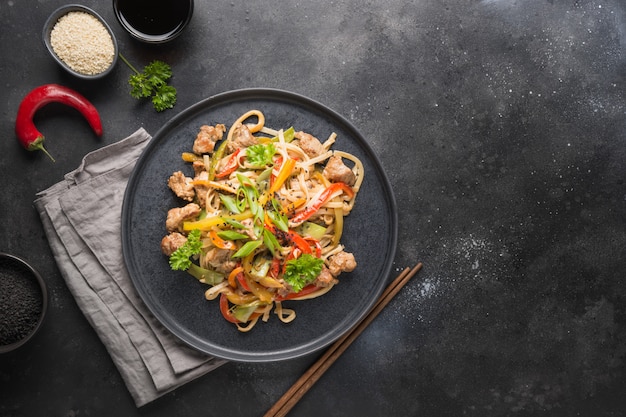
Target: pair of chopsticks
[310,377]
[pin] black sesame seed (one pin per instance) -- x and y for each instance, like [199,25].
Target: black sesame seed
[21,302]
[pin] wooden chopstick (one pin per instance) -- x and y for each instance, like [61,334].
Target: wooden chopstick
[310,377]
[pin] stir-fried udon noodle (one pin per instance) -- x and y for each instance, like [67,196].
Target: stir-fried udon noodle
[263,217]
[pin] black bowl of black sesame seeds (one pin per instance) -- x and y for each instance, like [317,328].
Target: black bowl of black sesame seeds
[23,302]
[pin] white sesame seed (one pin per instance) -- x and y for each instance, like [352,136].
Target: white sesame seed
[83,43]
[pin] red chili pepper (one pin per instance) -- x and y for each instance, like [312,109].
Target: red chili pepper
[231,165]
[323,198]
[27,133]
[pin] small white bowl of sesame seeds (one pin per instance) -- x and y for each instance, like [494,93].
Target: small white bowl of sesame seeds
[81,41]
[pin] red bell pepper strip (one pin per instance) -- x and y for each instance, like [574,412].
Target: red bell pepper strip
[304,291]
[231,164]
[225,310]
[316,244]
[292,238]
[275,268]
[323,198]
[243,283]
[28,135]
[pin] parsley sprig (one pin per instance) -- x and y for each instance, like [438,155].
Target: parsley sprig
[152,83]
[302,271]
[260,155]
[179,260]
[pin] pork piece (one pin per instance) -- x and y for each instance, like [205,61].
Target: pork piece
[220,260]
[242,138]
[325,278]
[181,185]
[207,137]
[171,242]
[201,190]
[176,216]
[249,228]
[309,144]
[341,262]
[336,171]
[198,167]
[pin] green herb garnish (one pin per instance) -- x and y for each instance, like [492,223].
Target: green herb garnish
[302,271]
[179,260]
[260,155]
[152,83]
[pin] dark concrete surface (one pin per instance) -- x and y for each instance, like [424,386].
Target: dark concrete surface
[502,127]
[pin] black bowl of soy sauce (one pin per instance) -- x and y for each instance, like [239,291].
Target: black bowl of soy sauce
[153,21]
[23,302]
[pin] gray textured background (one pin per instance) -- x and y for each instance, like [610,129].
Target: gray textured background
[502,128]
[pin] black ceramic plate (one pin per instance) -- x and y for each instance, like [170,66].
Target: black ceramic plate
[177,299]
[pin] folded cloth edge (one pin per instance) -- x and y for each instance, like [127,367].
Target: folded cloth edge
[137,379]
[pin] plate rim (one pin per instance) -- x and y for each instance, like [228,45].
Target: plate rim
[232,96]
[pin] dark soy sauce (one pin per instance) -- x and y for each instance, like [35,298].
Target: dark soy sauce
[156,18]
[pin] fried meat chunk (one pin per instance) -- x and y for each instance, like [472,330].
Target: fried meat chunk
[207,137]
[242,138]
[181,185]
[220,259]
[336,171]
[325,278]
[341,262]
[309,144]
[171,242]
[176,216]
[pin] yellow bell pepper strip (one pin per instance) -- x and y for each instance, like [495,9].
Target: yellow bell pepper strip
[338,226]
[239,298]
[255,288]
[326,195]
[190,157]
[286,169]
[209,222]
[270,282]
[231,165]
[232,277]
[290,209]
[221,243]
[259,290]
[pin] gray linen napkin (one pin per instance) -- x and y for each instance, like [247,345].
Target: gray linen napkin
[81,216]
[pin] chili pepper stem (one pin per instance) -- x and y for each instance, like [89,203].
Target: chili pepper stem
[38,146]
